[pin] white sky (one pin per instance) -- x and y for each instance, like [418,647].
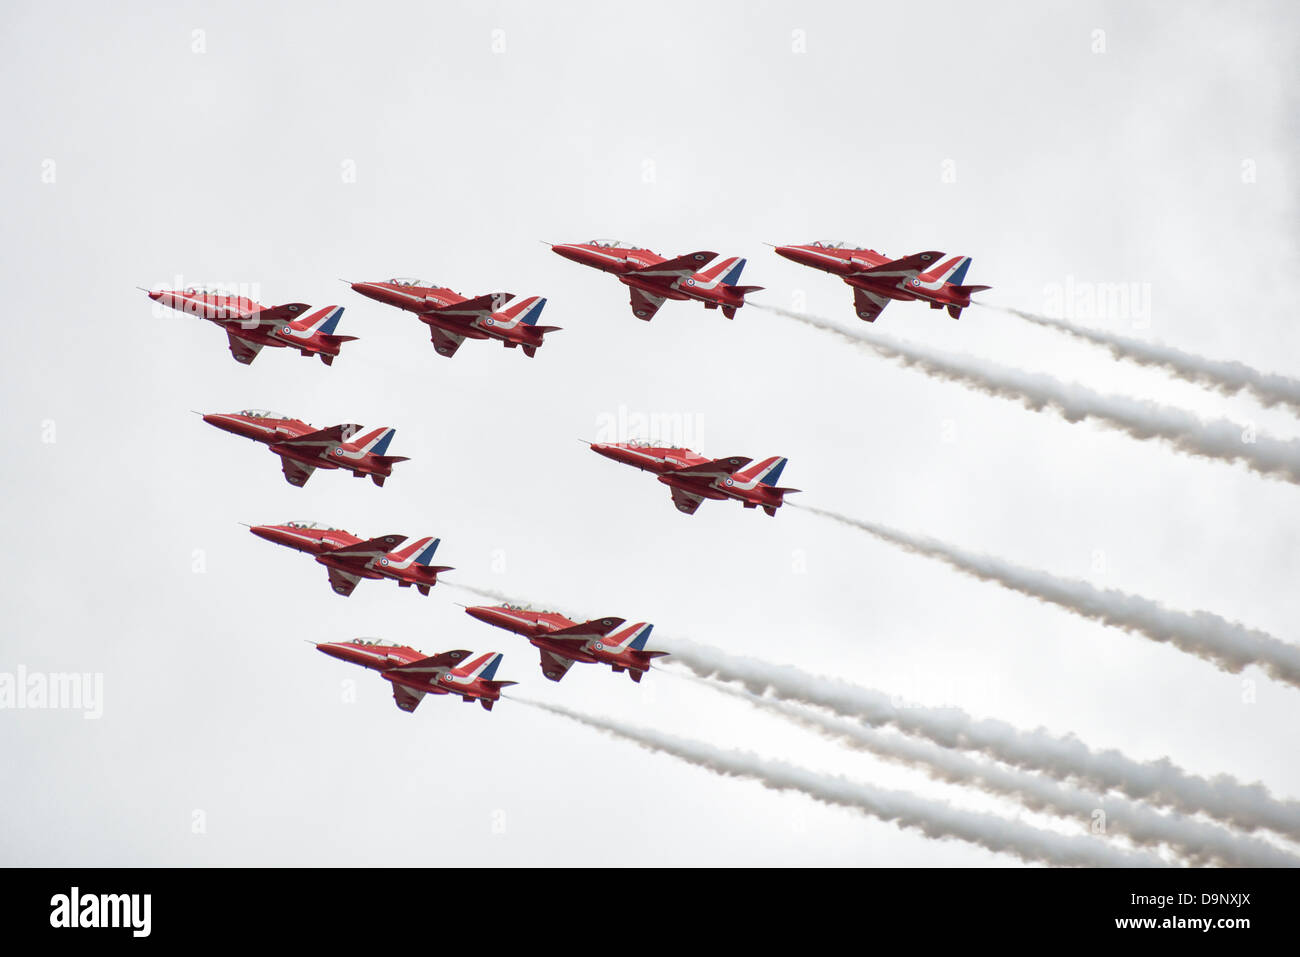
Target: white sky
[678,126]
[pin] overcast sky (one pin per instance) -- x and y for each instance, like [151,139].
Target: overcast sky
[284,149]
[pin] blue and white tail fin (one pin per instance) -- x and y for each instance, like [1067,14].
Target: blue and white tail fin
[426,554]
[958,275]
[377,441]
[951,270]
[724,272]
[768,471]
[488,671]
[632,638]
[324,321]
[524,311]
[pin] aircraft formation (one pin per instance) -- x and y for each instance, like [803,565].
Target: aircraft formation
[451,318]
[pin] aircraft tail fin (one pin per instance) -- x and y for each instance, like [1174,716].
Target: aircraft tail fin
[376,441]
[426,554]
[767,471]
[958,275]
[526,311]
[724,272]
[323,321]
[485,670]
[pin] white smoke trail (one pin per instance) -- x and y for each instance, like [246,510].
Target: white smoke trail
[1197,842]
[1228,644]
[1162,783]
[481,592]
[935,819]
[1218,439]
[1225,377]
[498,596]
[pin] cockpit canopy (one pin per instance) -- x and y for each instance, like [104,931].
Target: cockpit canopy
[823,245]
[316,525]
[204,290]
[613,244]
[413,282]
[380,642]
[262,414]
[643,444]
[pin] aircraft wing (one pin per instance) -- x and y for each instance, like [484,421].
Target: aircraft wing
[342,582]
[374,548]
[902,269]
[335,433]
[279,315]
[555,666]
[686,501]
[473,308]
[408,699]
[295,473]
[434,664]
[679,268]
[868,305]
[243,350]
[596,628]
[716,467]
[444,342]
[644,305]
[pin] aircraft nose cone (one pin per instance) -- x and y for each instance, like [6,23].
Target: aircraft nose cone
[788,252]
[264,531]
[331,650]
[481,613]
[154,294]
[568,251]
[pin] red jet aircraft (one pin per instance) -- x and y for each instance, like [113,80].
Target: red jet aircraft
[693,478]
[303,449]
[350,559]
[654,279]
[876,279]
[452,318]
[413,674]
[250,325]
[562,642]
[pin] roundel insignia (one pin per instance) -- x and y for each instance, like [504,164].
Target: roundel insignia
[599,646]
[926,257]
[383,561]
[491,321]
[730,481]
[337,450]
[690,282]
[550,674]
[697,257]
[916,282]
[640,312]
